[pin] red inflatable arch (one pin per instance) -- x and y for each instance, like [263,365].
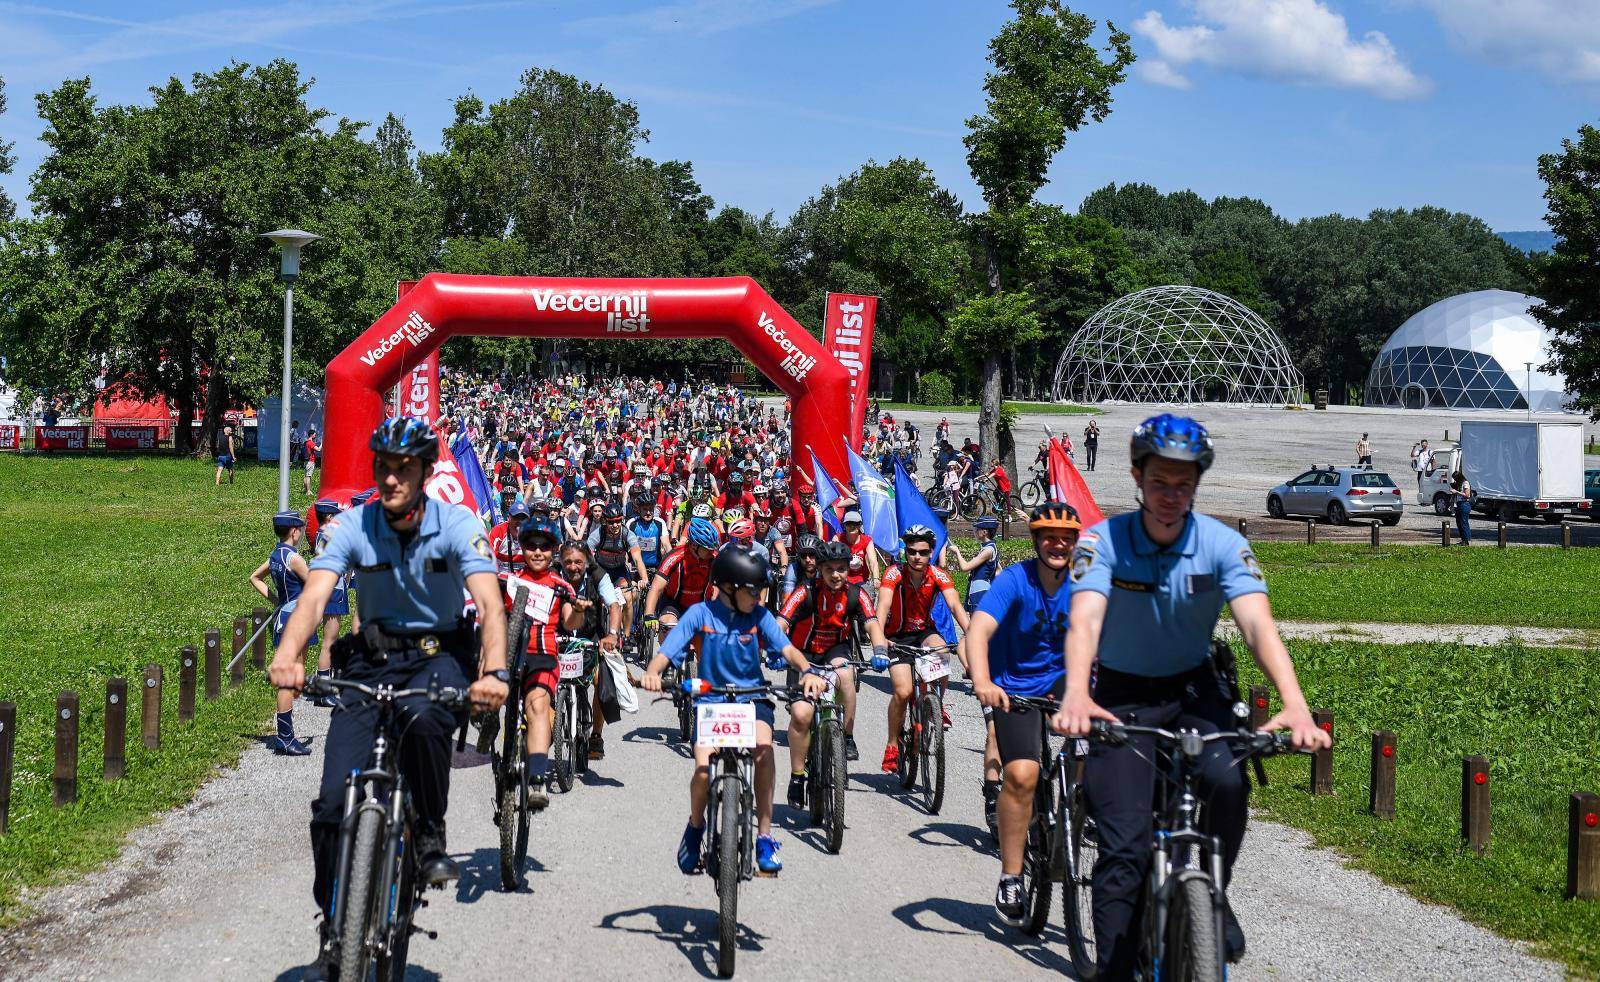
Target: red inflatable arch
[444,305]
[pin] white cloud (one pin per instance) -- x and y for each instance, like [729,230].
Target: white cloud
[699,17]
[1301,41]
[1559,38]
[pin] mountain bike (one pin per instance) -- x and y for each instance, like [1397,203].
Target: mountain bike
[1036,492]
[511,811]
[574,711]
[1063,842]
[376,889]
[1181,937]
[921,736]
[680,699]
[827,774]
[730,847]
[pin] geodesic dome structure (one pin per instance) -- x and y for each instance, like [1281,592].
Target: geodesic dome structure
[1469,351]
[1179,344]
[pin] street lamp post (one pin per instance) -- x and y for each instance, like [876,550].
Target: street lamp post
[290,241]
[1529,366]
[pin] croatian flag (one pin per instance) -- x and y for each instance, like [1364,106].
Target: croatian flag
[827,494]
[1067,485]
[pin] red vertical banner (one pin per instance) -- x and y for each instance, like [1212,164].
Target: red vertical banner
[847,335]
[1067,485]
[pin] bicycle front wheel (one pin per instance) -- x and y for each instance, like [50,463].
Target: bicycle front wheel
[728,831]
[1032,494]
[930,746]
[833,758]
[1077,901]
[360,898]
[392,962]
[1036,883]
[1194,933]
[907,767]
[561,743]
[685,704]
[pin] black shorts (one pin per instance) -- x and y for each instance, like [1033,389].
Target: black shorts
[1016,734]
[913,639]
[827,658]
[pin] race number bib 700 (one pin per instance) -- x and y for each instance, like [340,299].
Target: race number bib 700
[725,724]
[571,661]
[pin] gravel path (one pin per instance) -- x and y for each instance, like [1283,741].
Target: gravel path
[1473,634]
[219,889]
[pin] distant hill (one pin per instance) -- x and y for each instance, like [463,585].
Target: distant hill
[1540,241]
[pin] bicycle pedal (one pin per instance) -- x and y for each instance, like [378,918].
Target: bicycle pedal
[766,876]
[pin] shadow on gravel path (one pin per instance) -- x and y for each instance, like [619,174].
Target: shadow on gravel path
[980,920]
[692,930]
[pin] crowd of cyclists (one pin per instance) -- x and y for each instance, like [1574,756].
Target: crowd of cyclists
[666,522]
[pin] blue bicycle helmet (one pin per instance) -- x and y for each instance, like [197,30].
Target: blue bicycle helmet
[538,527]
[703,534]
[1172,437]
[406,436]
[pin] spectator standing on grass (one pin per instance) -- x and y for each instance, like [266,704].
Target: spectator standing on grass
[1462,489]
[1091,443]
[313,452]
[1363,452]
[225,455]
[289,571]
[297,438]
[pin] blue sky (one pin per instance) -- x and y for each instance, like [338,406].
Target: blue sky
[1316,106]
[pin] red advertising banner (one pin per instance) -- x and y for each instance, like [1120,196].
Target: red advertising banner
[61,438]
[847,335]
[10,437]
[132,437]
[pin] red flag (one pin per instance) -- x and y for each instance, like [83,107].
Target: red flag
[1066,484]
[847,333]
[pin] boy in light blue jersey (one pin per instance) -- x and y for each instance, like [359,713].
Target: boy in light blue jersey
[731,630]
[288,572]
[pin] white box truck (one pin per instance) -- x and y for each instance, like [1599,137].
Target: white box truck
[1515,467]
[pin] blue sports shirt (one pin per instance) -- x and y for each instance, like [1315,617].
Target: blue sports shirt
[730,643]
[413,587]
[289,585]
[1027,654]
[1163,603]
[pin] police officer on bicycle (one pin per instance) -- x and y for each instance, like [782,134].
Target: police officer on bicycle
[412,557]
[1147,587]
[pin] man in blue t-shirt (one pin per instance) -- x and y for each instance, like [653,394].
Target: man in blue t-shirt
[1147,587]
[1014,647]
[731,630]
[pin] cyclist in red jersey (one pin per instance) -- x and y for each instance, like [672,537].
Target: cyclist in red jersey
[804,512]
[817,616]
[905,599]
[551,606]
[863,558]
[683,578]
[503,539]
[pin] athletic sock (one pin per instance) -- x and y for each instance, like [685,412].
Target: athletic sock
[538,766]
[286,726]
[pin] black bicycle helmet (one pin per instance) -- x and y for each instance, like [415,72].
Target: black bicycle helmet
[406,436]
[738,566]
[613,512]
[808,543]
[833,552]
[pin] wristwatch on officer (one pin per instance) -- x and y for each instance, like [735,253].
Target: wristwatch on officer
[498,673]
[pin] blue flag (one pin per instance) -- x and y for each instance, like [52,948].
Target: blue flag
[477,483]
[911,508]
[875,501]
[827,494]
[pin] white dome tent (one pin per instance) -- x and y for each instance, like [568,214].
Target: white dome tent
[1469,351]
[1177,344]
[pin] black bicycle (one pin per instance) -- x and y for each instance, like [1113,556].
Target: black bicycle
[511,811]
[376,890]
[921,735]
[574,711]
[1183,894]
[1063,843]
[728,851]
[827,773]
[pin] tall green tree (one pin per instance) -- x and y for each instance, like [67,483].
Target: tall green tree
[1568,280]
[144,266]
[1048,80]
[8,209]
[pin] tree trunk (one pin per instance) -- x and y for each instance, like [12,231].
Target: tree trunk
[180,434]
[989,399]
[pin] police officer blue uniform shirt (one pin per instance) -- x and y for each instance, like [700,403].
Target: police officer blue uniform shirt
[339,601]
[1162,603]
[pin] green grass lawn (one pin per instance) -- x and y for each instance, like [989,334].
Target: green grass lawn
[110,564]
[1535,586]
[1530,711]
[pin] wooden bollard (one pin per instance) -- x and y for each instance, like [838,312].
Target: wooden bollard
[1444,534]
[1244,528]
[1502,535]
[1475,803]
[1583,844]
[1260,706]
[241,634]
[1322,760]
[1380,793]
[187,669]
[213,664]
[8,749]
[115,747]
[1566,535]
[150,708]
[258,648]
[1311,531]
[66,773]
[1375,534]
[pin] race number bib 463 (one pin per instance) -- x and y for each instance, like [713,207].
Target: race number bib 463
[725,724]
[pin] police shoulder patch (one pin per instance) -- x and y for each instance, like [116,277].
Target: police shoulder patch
[1249,559]
[1082,559]
[480,545]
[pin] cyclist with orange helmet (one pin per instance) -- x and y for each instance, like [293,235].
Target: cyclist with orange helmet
[1014,645]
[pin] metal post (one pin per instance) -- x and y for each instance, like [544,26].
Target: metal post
[1529,364]
[283,415]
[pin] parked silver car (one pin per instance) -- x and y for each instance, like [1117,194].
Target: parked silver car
[1338,494]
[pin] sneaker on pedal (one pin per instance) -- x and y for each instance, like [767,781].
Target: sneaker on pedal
[597,747]
[850,751]
[289,747]
[1232,933]
[434,863]
[1010,901]
[797,790]
[891,758]
[767,860]
[689,849]
[538,796]
[325,967]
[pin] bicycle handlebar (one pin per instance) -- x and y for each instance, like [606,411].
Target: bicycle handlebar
[915,650]
[1191,742]
[447,696]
